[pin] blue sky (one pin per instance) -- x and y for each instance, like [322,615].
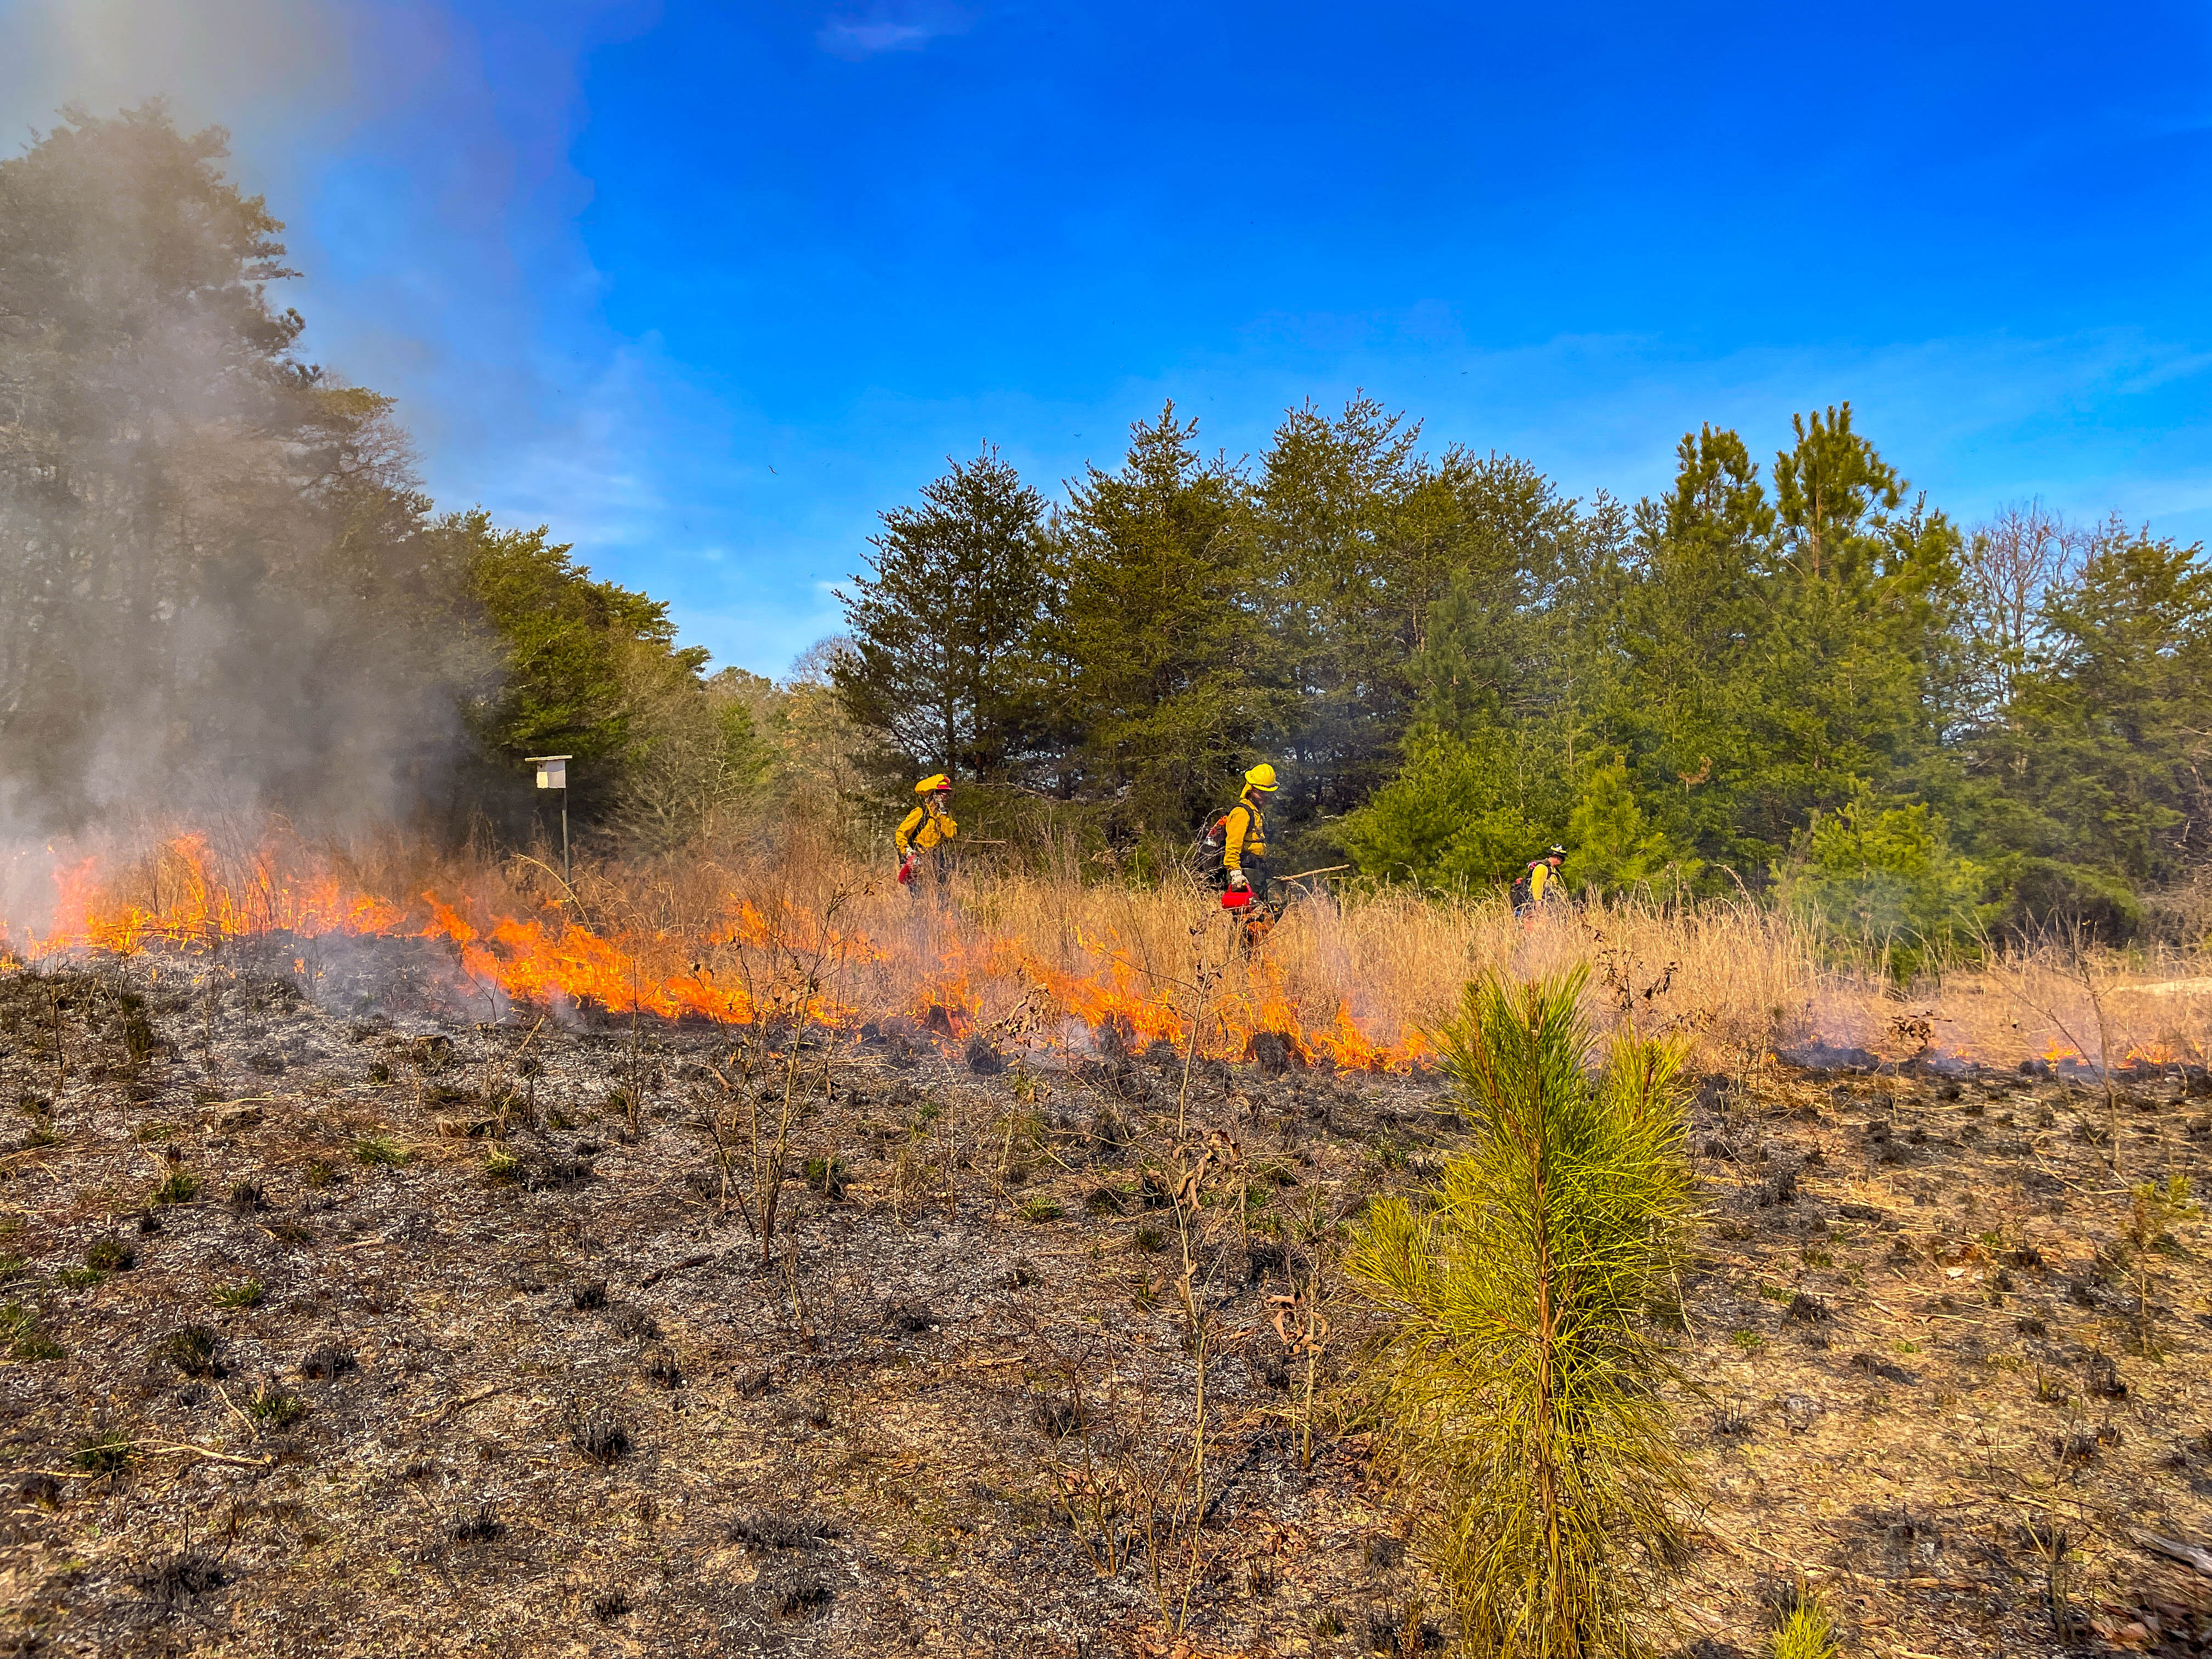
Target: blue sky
[705,286]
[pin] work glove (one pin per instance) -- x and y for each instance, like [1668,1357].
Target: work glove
[1238,881]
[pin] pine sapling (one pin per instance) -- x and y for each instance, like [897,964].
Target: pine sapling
[1521,1392]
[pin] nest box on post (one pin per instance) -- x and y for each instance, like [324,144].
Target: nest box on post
[553,774]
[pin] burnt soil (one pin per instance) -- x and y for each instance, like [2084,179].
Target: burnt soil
[326,1336]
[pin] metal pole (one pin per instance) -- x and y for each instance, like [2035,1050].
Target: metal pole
[564,842]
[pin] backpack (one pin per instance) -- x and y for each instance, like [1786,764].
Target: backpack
[1520,895]
[1213,843]
[1213,840]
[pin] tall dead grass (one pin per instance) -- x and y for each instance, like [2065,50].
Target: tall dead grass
[1359,975]
[1352,973]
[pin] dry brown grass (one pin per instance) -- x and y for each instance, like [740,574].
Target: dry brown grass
[1950,1368]
[1355,974]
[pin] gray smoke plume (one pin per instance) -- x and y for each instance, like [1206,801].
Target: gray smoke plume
[220,589]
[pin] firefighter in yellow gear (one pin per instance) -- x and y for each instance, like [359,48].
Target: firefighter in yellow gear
[1543,880]
[926,828]
[1244,833]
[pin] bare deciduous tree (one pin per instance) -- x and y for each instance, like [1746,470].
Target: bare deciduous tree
[2011,564]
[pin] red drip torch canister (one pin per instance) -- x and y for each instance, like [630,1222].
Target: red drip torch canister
[1235,898]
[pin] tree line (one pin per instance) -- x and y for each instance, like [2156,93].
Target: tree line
[1795,677]
[222,587]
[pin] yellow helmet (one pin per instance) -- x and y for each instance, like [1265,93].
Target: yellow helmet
[932,783]
[1261,777]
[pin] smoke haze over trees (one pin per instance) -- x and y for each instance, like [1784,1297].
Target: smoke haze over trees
[222,588]
[209,575]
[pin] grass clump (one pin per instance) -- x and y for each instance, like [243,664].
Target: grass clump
[270,1407]
[109,1255]
[1805,1630]
[180,1186]
[104,1454]
[191,1350]
[20,1336]
[380,1151]
[1519,1393]
[246,1293]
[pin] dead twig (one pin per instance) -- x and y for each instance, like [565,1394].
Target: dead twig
[476,1399]
[207,1452]
[2192,1556]
[685,1265]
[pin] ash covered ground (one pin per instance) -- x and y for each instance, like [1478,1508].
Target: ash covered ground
[332,1333]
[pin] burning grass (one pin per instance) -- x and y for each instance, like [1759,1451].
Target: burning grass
[1016,964]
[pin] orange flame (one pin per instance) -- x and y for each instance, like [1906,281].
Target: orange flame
[2156,1053]
[1147,1010]
[548,960]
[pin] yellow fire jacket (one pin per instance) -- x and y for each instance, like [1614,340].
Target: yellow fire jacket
[1245,834]
[925,826]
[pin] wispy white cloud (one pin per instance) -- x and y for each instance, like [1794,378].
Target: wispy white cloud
[892,26]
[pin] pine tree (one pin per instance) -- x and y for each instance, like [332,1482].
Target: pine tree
[1521,1387]
[942,666]
[1781,655]
[1334,513]
[212,563]
[567,648]
[1694,629]
[1610,843]
[2097,772]
[1161,634]
[1510,677]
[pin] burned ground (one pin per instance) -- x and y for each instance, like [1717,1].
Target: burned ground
[326,1336]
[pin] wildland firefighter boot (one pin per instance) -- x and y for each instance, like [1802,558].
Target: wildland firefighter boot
[924,838]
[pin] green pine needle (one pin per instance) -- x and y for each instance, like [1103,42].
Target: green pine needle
[1522,1390]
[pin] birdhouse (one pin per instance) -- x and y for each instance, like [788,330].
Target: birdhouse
[552,770]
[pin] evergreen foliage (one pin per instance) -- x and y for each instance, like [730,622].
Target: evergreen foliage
[220,582]
[1615,844]
[2101,759]
[1884,878]
[1520,1388]
[1167,670]
[942,664]
[1798,677]
[218,571]
[212,575]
